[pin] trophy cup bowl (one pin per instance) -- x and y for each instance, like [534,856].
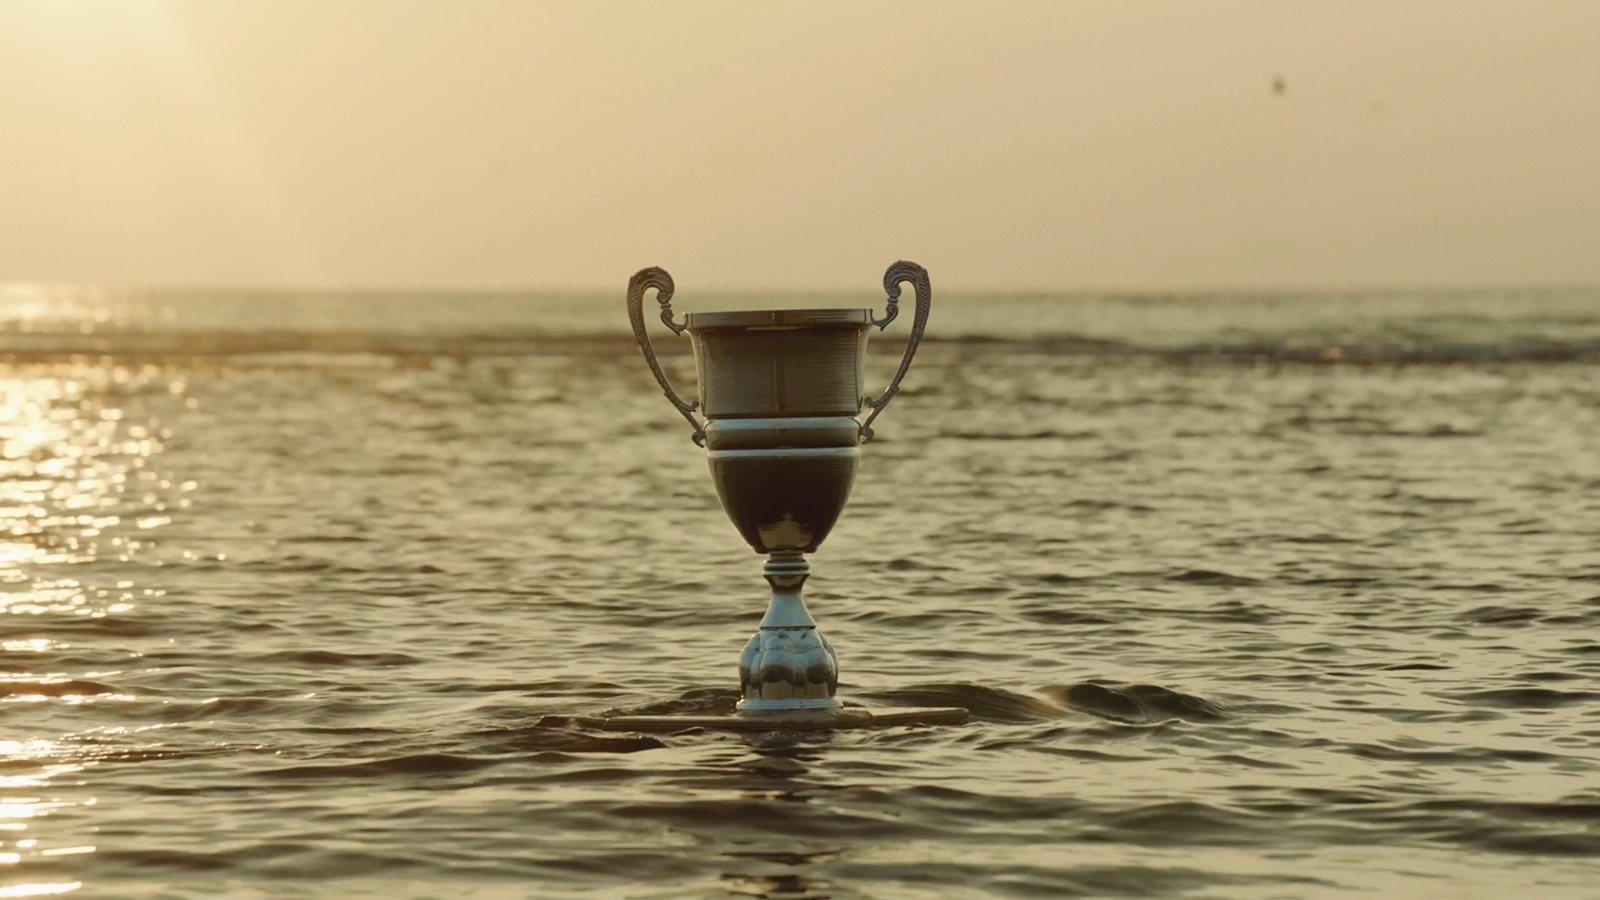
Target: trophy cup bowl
[780,392]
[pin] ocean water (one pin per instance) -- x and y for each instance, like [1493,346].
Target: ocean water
[1249,595]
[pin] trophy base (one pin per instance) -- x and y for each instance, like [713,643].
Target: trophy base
[803,720]
[793,706]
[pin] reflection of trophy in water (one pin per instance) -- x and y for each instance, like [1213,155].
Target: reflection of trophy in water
[780,391]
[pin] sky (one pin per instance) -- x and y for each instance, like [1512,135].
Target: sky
[488,144]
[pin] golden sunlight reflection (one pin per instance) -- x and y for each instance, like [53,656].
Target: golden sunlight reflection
[27,308]
[26,800]
[68,463]
[31,760]
[39,890]
[76,489]
[26,796]
[57,687]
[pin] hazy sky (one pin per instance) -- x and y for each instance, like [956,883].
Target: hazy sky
[1006,144]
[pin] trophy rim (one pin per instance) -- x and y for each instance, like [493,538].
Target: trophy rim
[778,432]
[779,318]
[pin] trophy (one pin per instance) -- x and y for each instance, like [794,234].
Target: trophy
[780,392]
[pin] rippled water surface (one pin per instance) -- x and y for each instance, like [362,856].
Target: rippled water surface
[1247,596]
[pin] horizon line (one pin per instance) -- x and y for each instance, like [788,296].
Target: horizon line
[180,287]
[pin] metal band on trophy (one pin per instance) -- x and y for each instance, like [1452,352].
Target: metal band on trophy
[780,391]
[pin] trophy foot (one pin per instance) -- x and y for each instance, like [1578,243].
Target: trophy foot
[788,667]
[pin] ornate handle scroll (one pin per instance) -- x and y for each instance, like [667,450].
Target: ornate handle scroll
[918,276]
[657,277]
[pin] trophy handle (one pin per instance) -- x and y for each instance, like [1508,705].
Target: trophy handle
[918,276]
[642,280]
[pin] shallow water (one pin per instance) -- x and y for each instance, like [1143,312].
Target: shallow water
[1257,596]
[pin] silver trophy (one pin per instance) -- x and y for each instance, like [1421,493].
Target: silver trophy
[780,393]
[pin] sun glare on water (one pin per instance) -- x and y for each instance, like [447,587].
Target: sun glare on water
[78,497]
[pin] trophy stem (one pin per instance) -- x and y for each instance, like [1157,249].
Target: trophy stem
[788,666]
[787,573]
